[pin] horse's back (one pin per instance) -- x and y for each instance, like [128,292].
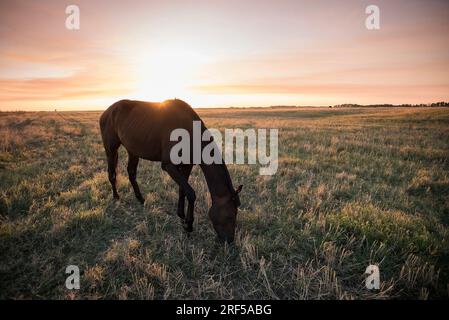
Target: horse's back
[144,127]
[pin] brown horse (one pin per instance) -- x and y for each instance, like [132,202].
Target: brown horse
[144,129]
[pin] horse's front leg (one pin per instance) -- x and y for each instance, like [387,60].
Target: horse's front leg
[185,171]
[181,203]
[183,183]
[188,222]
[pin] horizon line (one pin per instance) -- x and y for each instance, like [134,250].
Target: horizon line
[342,105]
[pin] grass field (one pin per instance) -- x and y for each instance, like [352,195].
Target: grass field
[354,187]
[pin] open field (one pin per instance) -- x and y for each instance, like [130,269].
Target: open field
[354,187]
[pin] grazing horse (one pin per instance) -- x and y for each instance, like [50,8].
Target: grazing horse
[144,129]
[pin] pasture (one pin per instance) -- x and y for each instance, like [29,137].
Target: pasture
[354,187]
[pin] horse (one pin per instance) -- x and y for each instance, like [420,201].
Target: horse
[144,129]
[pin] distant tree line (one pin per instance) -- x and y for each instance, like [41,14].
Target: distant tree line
[351,105]
[385,105]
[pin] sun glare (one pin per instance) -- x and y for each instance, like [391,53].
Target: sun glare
[166,73]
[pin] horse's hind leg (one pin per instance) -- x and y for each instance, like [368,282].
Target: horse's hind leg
[112,172]
[133,162]
[111,148]
[185,171]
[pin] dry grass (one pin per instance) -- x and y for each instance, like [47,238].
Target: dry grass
[354,187]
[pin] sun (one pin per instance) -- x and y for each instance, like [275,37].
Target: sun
[166,73]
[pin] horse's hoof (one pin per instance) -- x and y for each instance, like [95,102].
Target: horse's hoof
[187,228]
[141,200]
[182,217]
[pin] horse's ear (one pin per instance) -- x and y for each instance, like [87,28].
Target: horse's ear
[239,189]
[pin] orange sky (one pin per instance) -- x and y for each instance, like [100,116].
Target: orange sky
[222,53]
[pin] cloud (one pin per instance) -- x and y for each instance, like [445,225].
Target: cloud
[84,85]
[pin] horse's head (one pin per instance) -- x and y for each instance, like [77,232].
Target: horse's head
[223,216]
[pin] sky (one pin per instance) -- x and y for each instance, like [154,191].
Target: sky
[222,53]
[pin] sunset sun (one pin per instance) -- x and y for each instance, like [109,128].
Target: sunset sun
[166,73]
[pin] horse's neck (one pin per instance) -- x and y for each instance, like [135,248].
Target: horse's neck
[218,180]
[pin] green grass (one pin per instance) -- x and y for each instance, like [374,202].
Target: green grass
[354,187]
